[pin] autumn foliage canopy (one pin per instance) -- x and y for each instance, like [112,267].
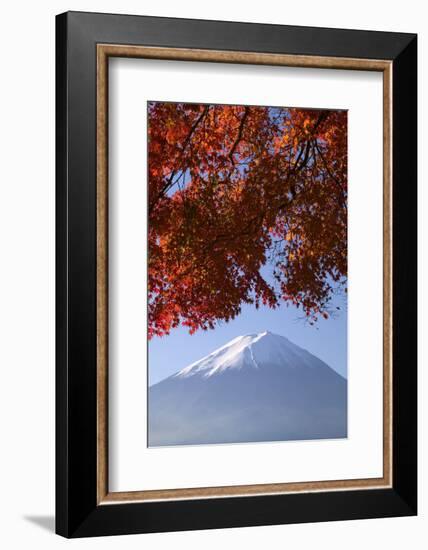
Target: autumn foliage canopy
[246,205]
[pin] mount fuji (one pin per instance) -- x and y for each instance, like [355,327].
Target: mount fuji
[258,387]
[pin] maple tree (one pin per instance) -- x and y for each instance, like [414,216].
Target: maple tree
[246,205]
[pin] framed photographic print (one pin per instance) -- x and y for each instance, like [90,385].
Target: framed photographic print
[236,274]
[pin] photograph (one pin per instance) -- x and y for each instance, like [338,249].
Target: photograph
[212,275]
[247,273]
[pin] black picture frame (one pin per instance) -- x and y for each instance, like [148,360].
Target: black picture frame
[77,511]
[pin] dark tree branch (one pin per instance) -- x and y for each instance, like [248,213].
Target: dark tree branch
[332,176]
[169,182]
[239,136]
[194,126]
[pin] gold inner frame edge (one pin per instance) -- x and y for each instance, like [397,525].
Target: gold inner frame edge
[104,51]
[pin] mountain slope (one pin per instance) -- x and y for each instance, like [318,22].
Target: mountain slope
[259,387]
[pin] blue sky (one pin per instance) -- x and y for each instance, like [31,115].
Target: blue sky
[327,339]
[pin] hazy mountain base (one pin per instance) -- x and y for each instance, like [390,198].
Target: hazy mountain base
[270,403]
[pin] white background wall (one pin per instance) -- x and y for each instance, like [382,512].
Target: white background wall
[27,89]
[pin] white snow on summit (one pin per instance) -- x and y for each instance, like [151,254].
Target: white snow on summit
[251,350]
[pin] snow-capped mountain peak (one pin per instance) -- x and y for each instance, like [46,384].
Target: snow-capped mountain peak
[248,351]
[257,387]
